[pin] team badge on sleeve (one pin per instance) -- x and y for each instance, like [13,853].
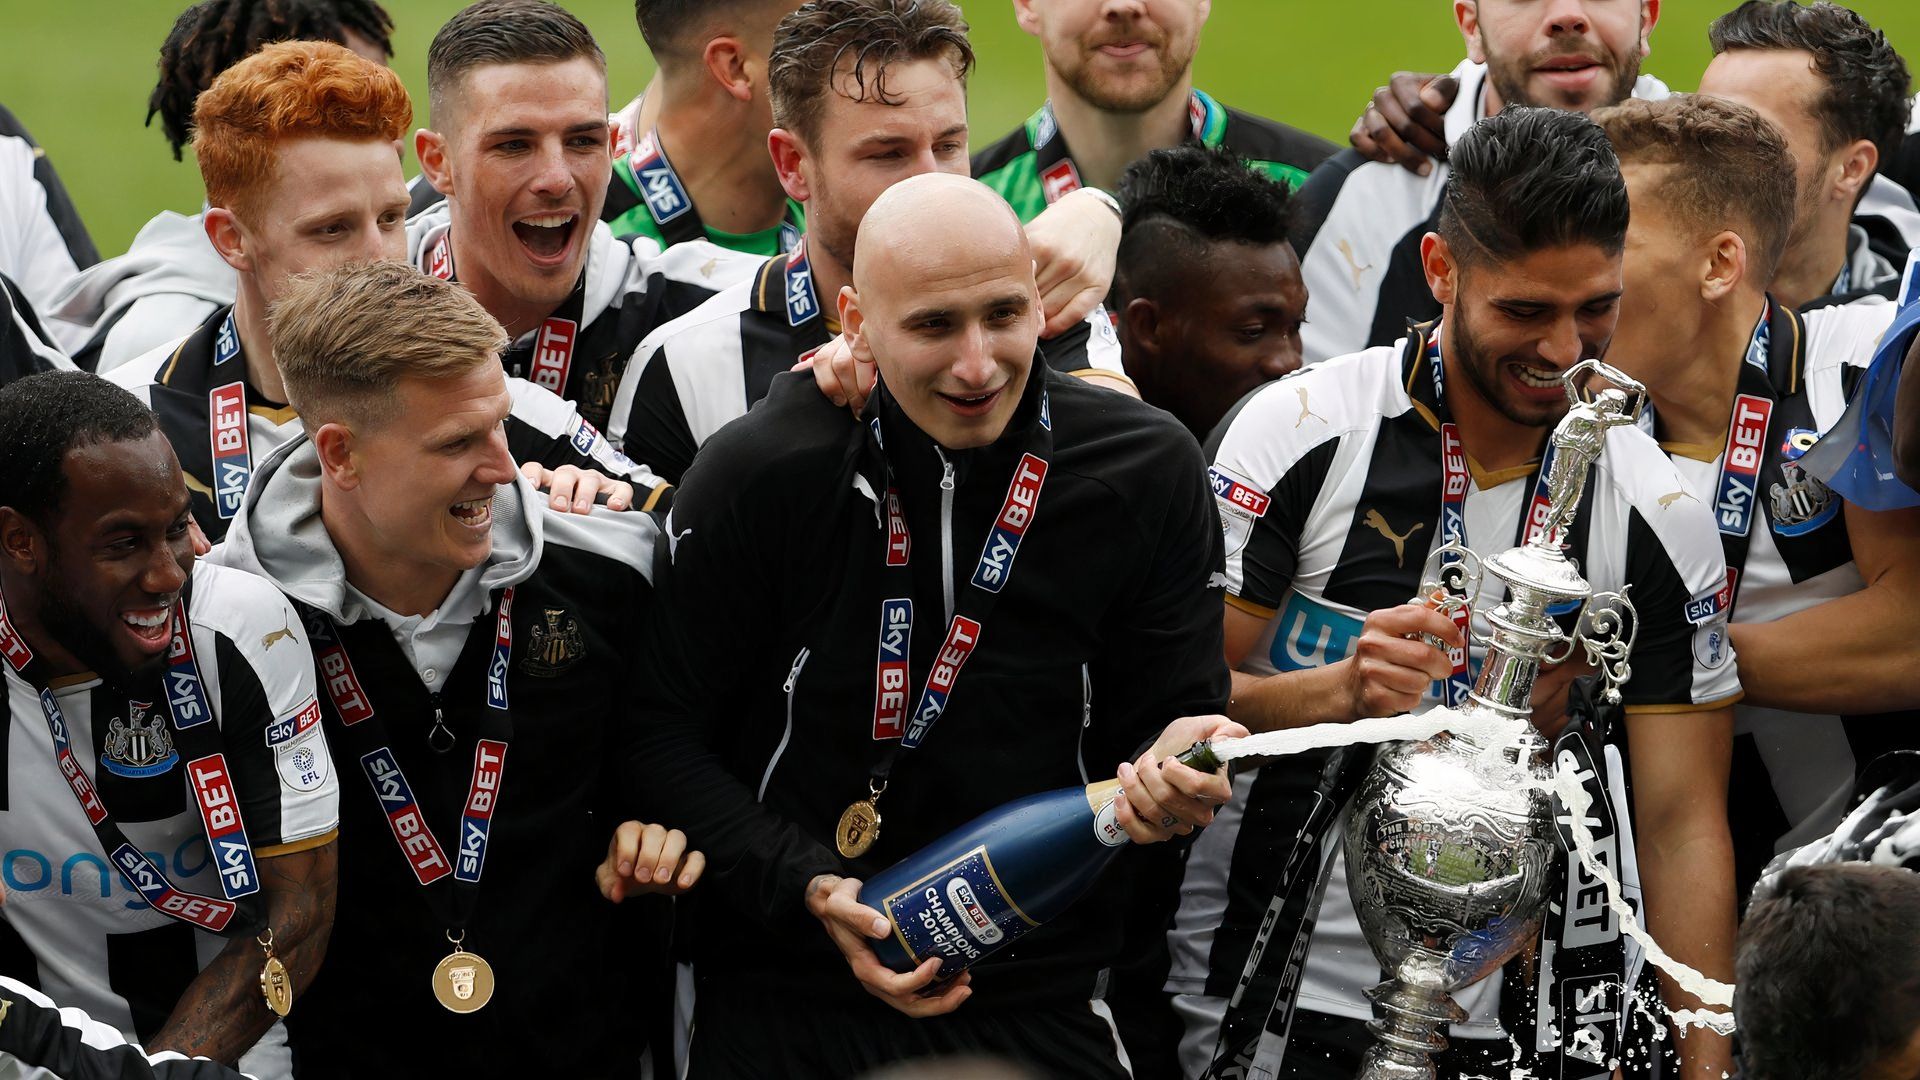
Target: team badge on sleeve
[1241,504]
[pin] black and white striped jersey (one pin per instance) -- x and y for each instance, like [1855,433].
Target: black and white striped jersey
[628,289]
[221,427]
[1793,772]
[1329,484]
[90,939]
[24,346]
[37,1032]
[43,243]
[701,371]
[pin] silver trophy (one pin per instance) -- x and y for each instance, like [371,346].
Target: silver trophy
[1450,843]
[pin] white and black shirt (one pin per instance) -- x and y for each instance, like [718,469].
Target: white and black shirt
[92,941]
[24,346]
[701,371]
[221,427]
[1329,488]
[42,240]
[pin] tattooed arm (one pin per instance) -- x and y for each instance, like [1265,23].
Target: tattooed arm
[223,1012]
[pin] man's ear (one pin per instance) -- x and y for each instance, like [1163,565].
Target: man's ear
[1028,19]
[1727,265]
[789,160]
[1440,267]
[22,545]
[1140,327]
[853,321]
[436,164]
[1466,15]
[338,463]
[1858,164]
[726,61]
[228,238]
[1649,15]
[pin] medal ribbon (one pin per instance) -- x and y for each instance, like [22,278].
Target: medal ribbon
[363,733]
[992,572]
[207,772]
[547,360]
[1060,177]
[669,205]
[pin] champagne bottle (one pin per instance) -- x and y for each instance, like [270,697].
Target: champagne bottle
[980,887]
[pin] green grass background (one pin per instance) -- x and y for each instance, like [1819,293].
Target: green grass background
[78,72]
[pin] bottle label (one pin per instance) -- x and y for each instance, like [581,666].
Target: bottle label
[960,913]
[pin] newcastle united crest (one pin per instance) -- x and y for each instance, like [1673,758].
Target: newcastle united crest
[1802,503]
[140,745]
[554,644]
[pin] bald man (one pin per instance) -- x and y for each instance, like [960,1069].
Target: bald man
[821,560]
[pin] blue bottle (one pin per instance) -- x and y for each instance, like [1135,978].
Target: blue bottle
[980,887]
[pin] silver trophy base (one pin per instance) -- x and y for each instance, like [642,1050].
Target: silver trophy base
[1405,1040]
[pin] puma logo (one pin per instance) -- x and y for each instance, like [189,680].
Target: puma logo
[285,633]
[1306,410]
[1379,524]
[1345,248]
[1672,497]
[706,269]
[6,1006]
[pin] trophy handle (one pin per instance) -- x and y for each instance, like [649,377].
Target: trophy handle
[1607,630]
[1455,569]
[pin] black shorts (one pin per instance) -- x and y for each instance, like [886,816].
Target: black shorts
[739,1033]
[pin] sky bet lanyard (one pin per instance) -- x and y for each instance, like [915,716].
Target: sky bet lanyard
[1059,177]
[672,208]
[1456,479]
[227,427]
[893,725]
[239,910]
[1736,494]
[549,362]
[364,735]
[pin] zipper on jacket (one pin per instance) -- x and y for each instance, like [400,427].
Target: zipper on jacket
[946,530]
[1086,720]
[793,679]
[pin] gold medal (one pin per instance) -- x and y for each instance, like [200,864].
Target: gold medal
[859,828]
[275,984]
[463,981]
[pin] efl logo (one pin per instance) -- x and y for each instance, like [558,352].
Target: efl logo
[285,731]
[890,685]
[403,815]
[1236,494]
[801,303]
[226,833]
[1707,606]
[1740,471]
[88,798]
[232,462]
[1003,543]
[1059,180]
[962,636]
[12,645]
[553,354]
[666,199]
[899,543]
[502,653]
[489,766]
[186,698]
[1453,490]
[163,897]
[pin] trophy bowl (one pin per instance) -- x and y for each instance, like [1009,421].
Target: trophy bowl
[1449,854]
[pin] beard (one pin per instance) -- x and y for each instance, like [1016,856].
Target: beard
[89,643]
[1123,95]
[1483,372]
[1509,76]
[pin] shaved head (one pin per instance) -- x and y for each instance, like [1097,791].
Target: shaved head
[944,302]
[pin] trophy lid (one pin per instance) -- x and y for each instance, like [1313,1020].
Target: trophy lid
[1536,569]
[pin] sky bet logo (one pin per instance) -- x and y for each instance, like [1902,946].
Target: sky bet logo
[1453,492]
[962,636]
[502,653]
[403,816]
[226,833]
[161,896]
[1003,543]
[336,671]
[1740,471]
[553,354]
[890,685]
[232,463]
[1236,494]
[801,304]
[666,199]
[185,697]
[489,765]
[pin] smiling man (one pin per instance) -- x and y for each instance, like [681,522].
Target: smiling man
[1100,640]
[520,145]
[1120,83]
[119,647]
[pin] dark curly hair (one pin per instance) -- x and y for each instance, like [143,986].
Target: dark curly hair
[213,35]
[810,45]
[1209,190]
[43,416]
[1530,179]
[1867,83]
